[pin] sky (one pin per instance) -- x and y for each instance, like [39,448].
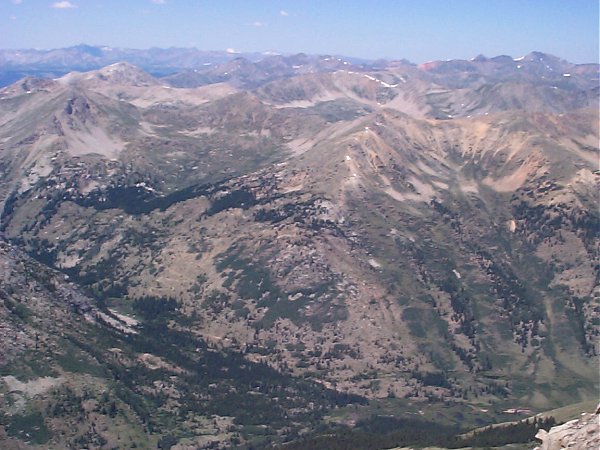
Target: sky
[417,30]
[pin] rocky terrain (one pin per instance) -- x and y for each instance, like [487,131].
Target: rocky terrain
[329,241]
[577,433]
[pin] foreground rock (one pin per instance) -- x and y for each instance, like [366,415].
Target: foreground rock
[583,433]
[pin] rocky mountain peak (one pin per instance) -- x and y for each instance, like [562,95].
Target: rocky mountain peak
[122,73]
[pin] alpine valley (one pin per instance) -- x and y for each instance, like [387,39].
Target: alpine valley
[252,251]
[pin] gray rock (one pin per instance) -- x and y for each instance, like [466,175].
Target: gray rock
[579,434]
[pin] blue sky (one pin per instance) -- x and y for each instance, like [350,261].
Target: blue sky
[418,30]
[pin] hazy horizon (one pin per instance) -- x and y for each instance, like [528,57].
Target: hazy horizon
[416,31]
[273,53]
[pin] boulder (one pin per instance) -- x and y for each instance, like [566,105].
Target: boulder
[582,433]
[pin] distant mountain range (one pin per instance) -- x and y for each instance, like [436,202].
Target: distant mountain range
[15,64]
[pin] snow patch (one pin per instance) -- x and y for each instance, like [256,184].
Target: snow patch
[374,264]
[383,83]
[144,186]
[117,323]
[129,321]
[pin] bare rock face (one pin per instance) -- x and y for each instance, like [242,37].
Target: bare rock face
[583,433]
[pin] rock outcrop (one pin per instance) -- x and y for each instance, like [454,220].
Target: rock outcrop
[582,433]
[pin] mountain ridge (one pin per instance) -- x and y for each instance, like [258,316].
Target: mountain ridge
[400,237]
[15,64]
